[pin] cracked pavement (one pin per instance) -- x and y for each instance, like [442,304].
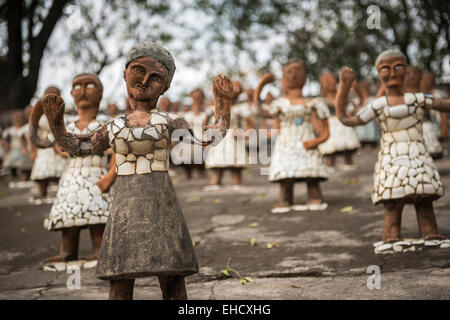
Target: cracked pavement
[320,255]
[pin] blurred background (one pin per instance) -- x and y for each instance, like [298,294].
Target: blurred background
[47,42]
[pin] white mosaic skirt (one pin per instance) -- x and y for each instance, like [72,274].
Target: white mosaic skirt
[291,160]
[79,201]
[342,138]
[405,170]
[48,164]
[430,138]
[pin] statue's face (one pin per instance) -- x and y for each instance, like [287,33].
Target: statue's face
[164,104]
[198,96]
[294,76]
[112,110]
[392,71]
[413,77]
[146,79]
[86,92]
[328,83]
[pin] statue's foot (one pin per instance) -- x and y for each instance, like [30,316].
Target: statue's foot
[434,236]
[280,207]
[392,240]
[59,258]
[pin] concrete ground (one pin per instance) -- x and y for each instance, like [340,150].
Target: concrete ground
[311,255]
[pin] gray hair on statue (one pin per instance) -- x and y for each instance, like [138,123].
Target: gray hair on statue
[389,53]
[155,51]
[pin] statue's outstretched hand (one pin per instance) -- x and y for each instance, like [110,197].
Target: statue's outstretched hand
[222,87]
[53,106]
[347,78]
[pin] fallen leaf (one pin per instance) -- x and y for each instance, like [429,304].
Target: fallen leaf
[261,195]
[294,286]
[253,224]
[225,272]
[243,281]
[193,199]
[252,241]
[271,245]
[249,279]
[347,209]
[351,181]
[18,213]
[217,200]
[23,230]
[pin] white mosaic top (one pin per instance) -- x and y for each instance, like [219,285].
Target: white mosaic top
[404,168]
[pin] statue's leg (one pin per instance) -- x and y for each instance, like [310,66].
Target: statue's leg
[348,157]
[96,232]
[216,178]
[236,176]
[427,220]
[392,220]
[68,249]
[314,191]
[286,195]
[173,287]
[43,187]
[329,159]
[121,289]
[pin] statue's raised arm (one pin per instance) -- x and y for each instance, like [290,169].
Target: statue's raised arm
[77,145]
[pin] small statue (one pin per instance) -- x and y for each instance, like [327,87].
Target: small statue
[17,157]
[404,172]
[231,152]
[190,157]
[146,234]
[82,199]
[49,163]
[342,140]
[295,156]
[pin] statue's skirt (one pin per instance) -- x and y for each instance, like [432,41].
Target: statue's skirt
[146,234]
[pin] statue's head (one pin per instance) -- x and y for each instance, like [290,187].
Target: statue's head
[87,91]
[198,96]
[328,83]
[164,104]
[294,75]
[391,68]
[413,77]
[149,69]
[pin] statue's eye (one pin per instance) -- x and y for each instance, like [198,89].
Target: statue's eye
[90,86]
[399,67]
[157,77]
[139,69]
[77,87]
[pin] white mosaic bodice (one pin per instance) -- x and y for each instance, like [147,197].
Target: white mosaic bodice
[141,150]
[295,119]
[401,122]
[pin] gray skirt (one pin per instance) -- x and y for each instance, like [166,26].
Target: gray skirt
[146,234]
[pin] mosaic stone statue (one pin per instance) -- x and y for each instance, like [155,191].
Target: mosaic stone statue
[82,199]
[146,234]
[49,164]
[295,156]
[231,153]
[405,171]
[190,157]
[342,140]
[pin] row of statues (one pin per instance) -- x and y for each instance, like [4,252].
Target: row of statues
[117,184]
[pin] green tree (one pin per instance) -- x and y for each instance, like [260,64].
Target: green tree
[29,24]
